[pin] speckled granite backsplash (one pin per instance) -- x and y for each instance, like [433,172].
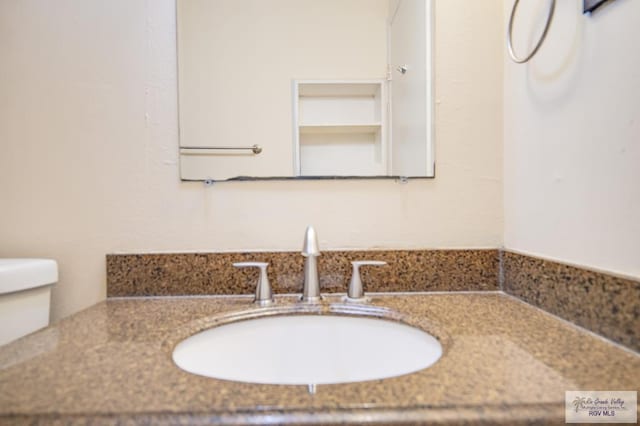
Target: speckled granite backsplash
[605,304]
[213,273]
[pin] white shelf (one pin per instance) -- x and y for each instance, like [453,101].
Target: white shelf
[338,89]
[339,128]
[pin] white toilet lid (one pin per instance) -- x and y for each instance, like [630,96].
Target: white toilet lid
[23,274]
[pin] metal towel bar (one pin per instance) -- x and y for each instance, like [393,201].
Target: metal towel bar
[257,149]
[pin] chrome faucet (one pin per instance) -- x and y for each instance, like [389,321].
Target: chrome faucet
[310,250]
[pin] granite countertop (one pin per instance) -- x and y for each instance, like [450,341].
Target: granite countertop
[504,362]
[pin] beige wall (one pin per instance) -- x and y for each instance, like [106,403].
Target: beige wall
[88,159]
[572,140]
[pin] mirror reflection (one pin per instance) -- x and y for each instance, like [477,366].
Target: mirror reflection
[304,88]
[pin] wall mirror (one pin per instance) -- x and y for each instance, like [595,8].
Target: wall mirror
[305,88]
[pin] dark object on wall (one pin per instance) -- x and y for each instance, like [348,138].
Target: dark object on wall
[591,5]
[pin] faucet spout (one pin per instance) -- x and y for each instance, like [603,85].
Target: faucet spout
[310,246]
[310,250]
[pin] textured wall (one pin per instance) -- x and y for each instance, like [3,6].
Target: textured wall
[572,140]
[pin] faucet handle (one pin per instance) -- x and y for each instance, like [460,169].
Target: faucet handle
[263,288]
[356,292]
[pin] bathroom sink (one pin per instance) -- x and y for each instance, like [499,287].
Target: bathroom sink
[307,349]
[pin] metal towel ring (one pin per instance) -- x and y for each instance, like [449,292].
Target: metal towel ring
[515,59]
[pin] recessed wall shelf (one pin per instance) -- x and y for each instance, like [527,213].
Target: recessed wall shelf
[339,127]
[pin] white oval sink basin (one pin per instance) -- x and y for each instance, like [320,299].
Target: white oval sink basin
[307,349]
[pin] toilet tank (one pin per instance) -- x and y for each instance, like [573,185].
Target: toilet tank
[25,296]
